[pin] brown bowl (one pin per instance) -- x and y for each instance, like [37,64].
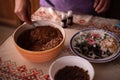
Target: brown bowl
[38,56]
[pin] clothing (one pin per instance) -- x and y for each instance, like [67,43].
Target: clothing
[77,6]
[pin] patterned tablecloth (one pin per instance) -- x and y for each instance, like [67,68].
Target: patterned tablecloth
[14,67]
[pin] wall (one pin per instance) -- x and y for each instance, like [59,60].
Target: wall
[7,15]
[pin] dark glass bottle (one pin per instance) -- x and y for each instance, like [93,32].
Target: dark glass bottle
[70,18]
[64,21]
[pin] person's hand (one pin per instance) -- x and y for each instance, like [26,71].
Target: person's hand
[101,5]
[23,10]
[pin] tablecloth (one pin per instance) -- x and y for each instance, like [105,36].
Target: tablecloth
[14,67]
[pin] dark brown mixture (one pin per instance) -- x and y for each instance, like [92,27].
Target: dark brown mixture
[72,73]
[40,38]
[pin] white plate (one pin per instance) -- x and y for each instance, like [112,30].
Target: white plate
[100,32]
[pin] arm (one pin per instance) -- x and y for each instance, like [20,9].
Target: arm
[101,5]
[23,10]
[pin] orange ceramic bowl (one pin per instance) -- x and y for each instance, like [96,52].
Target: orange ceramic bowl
[38,56]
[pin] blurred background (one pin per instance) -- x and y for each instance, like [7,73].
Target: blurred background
[9,21]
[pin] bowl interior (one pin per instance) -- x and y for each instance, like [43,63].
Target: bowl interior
[101,32]
[70,61]
[39,23]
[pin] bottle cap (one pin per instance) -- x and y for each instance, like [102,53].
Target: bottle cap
[63,16]
[70,13]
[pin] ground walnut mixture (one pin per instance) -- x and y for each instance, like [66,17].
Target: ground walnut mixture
[72,73]
[40,38]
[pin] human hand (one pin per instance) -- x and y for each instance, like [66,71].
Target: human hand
[23,10]
[101,5]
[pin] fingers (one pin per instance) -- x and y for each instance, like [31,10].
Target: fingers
[96,3]
[28,14]
[27,17]
[103,9]
[23,10]
[24,16]
[101,5]
[19,15]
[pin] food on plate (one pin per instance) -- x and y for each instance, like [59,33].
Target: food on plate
[109,44]
[40,38]
[96,44]
[72,73]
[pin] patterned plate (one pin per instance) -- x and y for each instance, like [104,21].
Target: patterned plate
[96,45]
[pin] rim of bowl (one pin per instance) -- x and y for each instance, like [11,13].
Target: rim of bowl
[82,59]
[110,58]
[37,52]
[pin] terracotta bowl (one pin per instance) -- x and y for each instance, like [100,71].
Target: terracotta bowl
[38,56]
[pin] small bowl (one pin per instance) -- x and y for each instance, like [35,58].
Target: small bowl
[38,56]
[71,61]
[99,37]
